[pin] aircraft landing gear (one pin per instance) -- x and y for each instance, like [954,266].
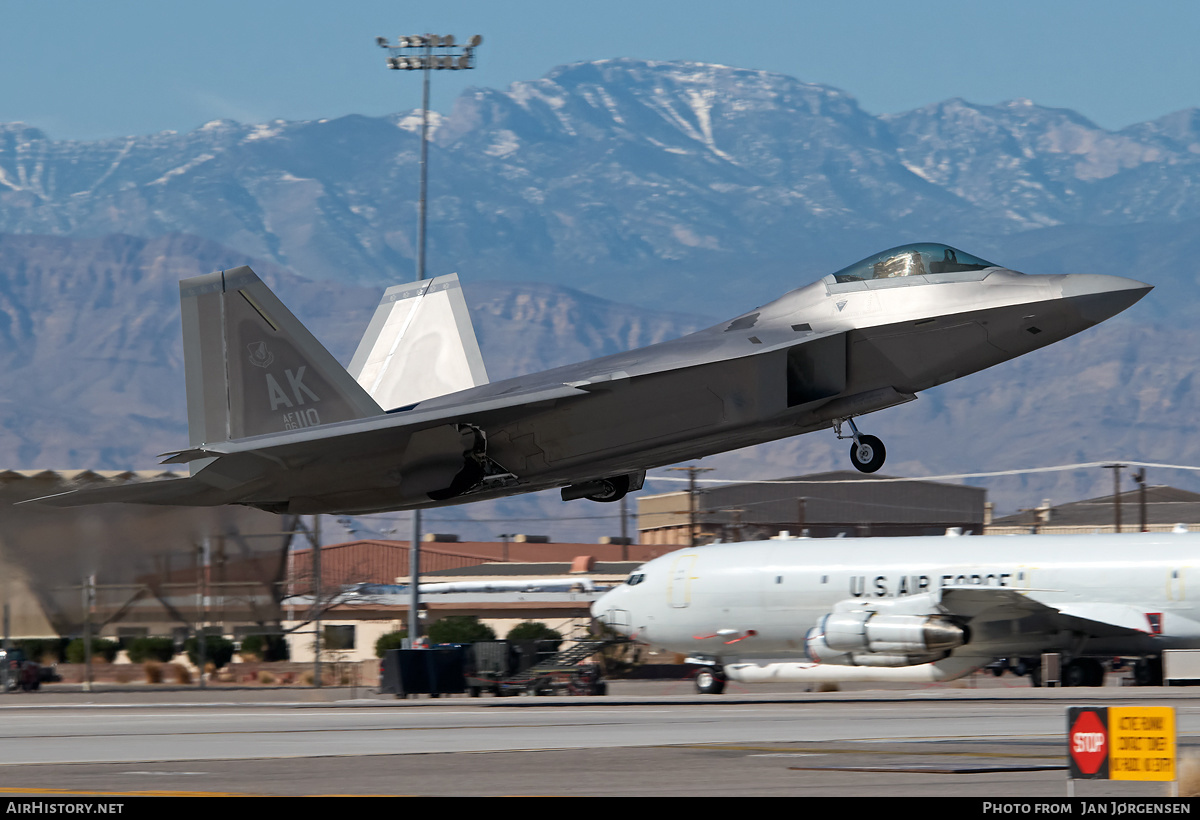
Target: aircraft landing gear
[710,680]
[1083,672]
[611,489]
[867,453]
[1148,671]
[605,490]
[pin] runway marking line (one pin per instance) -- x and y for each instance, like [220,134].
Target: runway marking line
[824,751]
[88,793]
[929,769]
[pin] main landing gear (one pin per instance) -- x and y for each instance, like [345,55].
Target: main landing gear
[867,453]
[710,680]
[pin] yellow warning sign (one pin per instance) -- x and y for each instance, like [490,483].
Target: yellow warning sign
[1141,743]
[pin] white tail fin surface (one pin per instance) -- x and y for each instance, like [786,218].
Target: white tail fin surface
[420,344]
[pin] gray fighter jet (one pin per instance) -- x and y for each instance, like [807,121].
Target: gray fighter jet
[276,423]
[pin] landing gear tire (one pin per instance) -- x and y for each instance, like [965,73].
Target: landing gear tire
[709,682]
[867,454]
[614,490]
[1148,672]
[1083,672]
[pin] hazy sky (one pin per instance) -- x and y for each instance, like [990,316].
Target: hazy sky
[84,69]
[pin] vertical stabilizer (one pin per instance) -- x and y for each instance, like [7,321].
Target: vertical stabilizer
[419,344]
[252,367]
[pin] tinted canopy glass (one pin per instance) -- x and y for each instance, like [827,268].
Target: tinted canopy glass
[919,259]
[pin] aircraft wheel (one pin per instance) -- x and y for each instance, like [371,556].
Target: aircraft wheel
[1093,672]
[614,490]
[1083,672]
[709,682]
[867,454]
[1148,672]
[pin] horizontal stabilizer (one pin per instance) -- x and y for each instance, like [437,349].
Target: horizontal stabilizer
[420,344]
[172,491]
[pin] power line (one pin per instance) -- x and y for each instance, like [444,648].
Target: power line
[950,477]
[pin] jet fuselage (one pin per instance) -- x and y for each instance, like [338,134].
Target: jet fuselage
[903,608]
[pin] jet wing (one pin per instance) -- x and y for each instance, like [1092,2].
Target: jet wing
[352,435]
[1100,620]
[296,448]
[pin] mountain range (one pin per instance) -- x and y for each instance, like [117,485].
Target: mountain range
[686,190]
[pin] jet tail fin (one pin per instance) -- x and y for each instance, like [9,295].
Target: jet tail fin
[420,344]
[252,367]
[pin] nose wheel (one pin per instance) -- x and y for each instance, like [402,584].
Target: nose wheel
[867,453]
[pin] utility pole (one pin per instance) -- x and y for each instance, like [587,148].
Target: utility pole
[1140,478]
[692,500]
[201,608]
[624,530]
[1116,468]
[314,538]
[504,536]
[447,57]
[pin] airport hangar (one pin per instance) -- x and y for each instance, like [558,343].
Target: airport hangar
[239,571]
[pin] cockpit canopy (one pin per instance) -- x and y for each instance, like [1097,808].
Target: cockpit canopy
[919,259]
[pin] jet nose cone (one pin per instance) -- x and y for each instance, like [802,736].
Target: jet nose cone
[603,607]
[1097,297]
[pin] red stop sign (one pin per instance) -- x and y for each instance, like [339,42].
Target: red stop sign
[1088,742]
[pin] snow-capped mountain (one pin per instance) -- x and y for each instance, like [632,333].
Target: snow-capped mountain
[699,189]
[678,185]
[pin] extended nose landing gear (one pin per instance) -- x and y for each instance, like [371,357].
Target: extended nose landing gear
[867,453]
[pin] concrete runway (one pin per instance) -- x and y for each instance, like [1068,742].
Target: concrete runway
[1006,740]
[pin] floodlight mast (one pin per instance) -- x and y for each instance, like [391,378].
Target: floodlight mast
[447,57]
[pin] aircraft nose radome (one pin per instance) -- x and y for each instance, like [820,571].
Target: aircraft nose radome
[601,605]
[1097,297]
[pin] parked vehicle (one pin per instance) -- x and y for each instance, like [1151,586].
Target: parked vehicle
[18,672]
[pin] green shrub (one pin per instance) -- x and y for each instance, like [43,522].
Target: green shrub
[460,629]
[533,631]
[102,650]
[392,640]
[266,647]
[217,650]
[141,650]
[44,650]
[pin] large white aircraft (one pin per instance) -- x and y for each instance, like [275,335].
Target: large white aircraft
[914,610]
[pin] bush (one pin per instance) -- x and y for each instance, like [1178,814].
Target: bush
[44,650]
[392,640]
[533,631]
[266,647]
[141,650]
[460,629]
[102,650]
[218,651]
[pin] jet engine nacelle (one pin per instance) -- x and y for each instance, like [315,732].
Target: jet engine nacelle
[868,638]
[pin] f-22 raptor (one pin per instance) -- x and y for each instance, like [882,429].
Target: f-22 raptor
[276,423]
